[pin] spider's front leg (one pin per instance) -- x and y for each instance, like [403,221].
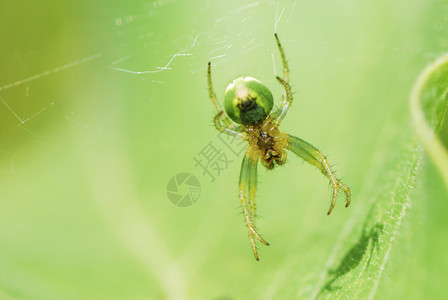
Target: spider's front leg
[313,156]
[248,180]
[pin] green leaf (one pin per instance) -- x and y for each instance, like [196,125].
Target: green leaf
[359,272]
[429,109]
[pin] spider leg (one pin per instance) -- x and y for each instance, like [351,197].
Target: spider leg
[286,102]
[252,188]
[229,129]
[248,180]
[313,156]
[287,96]
[285,64]
[221,120]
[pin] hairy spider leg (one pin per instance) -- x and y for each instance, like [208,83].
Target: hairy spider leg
[281,114]
[248,179]
[287,96]
[221,120]
[313,156]
[285,64]
[252,188]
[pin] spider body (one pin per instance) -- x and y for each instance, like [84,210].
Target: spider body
[249,103]
[266,143]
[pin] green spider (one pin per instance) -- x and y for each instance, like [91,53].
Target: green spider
[248,102]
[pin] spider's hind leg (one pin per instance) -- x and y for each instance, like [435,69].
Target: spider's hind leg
[286,102]
[287,95]
[221,120]
[284,62]
[313,156]
[227,128]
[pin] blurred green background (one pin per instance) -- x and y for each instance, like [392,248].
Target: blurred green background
[101,103]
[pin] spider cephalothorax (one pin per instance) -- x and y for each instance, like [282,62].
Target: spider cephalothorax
[267,143]
[248,103]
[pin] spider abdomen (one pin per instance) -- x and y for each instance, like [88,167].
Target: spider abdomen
[247,101]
